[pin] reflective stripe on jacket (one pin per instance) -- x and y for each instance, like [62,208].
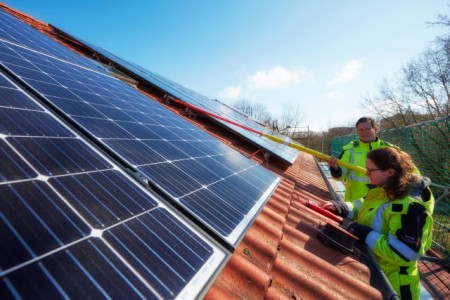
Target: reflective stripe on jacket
[402,233]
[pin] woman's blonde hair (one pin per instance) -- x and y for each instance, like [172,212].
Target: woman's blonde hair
[398,185]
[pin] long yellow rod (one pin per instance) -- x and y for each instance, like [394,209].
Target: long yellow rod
[277,139]
[315,153]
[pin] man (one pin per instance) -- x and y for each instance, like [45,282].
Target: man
[355,153]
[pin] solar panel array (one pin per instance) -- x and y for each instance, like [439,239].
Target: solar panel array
[72,223]
[216,107]
[74,220]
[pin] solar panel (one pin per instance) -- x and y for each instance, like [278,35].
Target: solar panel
[74,225]
[13,31]
[146,138]
[283,152]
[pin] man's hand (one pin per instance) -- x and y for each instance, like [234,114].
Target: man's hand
[332,162]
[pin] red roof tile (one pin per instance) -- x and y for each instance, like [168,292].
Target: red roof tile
[283,252]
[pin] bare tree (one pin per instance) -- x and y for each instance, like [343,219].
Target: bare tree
[420,91]
[444,41]
[254,110]
[427,80]
[291,116]
[260,113]
[386,103]
[244,106]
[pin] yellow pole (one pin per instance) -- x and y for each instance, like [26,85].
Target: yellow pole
[315,153]
[278,140]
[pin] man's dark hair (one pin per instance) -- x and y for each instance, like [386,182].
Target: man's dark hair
[372,121]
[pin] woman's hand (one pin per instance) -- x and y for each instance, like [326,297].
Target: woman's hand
[329,206]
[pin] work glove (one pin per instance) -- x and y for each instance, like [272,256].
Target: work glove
[341,208]
[346,222]
[358,230]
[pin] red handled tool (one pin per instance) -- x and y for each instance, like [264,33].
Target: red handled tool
[323,212]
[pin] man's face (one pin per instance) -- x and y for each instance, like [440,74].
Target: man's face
[366,132]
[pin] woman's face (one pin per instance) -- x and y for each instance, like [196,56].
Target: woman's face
[377,177]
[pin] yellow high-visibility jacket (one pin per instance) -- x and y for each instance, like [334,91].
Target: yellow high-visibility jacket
[401,233]
[355,153]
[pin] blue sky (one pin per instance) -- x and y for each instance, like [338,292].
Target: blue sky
[323,55]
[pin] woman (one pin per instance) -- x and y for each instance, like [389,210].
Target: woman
[394,219]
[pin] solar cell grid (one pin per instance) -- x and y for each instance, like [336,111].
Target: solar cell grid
[210,105]
[21,34]
[13,167]
[85,270]
[23,122]
[74,226]
[150,130]
[58,156]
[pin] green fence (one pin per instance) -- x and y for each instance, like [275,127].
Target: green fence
[429,145]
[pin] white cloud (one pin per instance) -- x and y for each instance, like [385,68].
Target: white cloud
[273,78]
[348,72]
[231,93]
[334,95]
